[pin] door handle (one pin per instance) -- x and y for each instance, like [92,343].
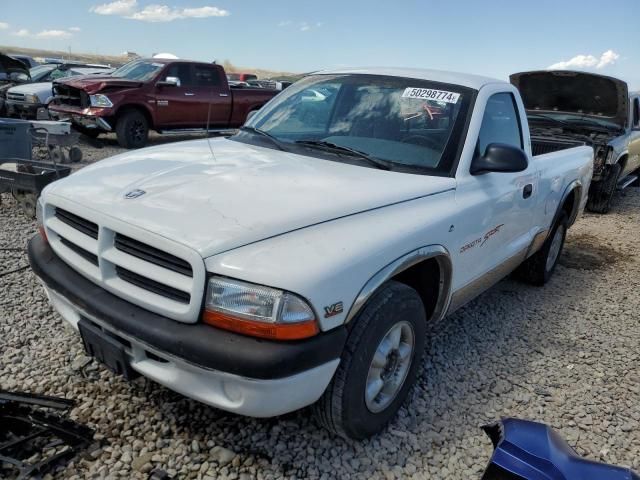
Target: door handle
[223,94]
[189,94]
[527,191]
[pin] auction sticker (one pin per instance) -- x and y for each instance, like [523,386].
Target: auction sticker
[431,94]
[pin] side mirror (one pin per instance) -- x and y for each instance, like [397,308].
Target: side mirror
[169,82]
[500,157]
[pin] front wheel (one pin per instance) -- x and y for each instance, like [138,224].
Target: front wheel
[380,363]
[132,129]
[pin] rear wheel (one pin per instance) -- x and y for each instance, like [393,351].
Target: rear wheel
[601,192]
[539,267]
[379,365]
[132,129]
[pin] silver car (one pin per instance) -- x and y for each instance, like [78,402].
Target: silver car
[25,100]
[592,109]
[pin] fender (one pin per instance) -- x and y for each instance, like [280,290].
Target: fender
[408,260]
[577,186]
[141,106]
[541,237]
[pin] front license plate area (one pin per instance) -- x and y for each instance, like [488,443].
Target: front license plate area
[106,349]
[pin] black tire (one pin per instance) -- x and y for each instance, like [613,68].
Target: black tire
[132,129]
[601,192]
[343,409]
[88,132]
[537,270]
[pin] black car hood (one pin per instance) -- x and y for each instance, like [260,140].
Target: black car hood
[11,65]
[580,93]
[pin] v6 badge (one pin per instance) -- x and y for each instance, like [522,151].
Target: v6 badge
[333,310]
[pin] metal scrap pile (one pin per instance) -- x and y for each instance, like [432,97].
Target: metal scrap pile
[33,439]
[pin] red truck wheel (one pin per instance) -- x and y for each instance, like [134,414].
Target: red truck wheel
[132,129]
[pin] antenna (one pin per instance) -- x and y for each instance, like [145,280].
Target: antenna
[206,132]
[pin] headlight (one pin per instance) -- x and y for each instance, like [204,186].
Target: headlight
[258,311]
[100,101]
[31,98]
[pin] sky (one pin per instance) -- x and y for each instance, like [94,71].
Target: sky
[486,37]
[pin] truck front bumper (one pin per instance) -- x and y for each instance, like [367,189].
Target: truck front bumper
[245,375]
[90,118]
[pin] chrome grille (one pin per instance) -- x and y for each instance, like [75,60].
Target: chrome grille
[16,97]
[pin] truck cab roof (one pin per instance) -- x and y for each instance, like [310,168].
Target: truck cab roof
[463,79]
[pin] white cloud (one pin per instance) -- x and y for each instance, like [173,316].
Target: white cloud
[23,32]
[204,12]
[608,58]
[302,26]
[587,61]
[53,34]
[156,12]
[4,25]
[119,7]
[74,29]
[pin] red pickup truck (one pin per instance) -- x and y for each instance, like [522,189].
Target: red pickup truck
[154,94]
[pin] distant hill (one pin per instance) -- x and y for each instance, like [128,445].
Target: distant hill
[117,60]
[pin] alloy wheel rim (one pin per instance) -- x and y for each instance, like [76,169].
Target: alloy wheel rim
[554,249]
[137,131]
[389,366]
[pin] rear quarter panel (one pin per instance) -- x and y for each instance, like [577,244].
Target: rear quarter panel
[557,171]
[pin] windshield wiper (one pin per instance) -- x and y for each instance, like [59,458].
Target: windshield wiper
[350,151]
[533,116]
[264,134]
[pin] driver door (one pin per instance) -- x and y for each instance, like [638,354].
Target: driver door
[496,229]
[174,104]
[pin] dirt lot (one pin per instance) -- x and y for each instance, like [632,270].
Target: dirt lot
[566,354]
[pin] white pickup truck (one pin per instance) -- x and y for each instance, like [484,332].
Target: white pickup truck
[304,259]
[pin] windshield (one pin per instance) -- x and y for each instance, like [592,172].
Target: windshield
[141,70]
[405,123]
[39,72]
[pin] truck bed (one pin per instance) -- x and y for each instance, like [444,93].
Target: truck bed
[546,144]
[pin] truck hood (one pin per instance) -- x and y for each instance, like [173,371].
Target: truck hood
[41,89]
[580,93]
[9,65]
[239,195]
[99,83]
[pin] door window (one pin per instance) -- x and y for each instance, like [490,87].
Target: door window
[501,123]
[205,76]
[636,112]
[182,71]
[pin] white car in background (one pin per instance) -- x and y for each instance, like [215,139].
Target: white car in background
[25,100]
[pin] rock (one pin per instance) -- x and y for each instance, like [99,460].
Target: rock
[139,462]
[222,455]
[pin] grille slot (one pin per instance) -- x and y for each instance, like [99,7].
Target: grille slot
[152,285]
[85,226]
[80,251]
[152,255]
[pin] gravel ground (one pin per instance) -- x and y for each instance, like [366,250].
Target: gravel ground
[566,354]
